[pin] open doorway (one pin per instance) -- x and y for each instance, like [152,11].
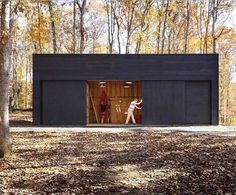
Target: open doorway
[116,96]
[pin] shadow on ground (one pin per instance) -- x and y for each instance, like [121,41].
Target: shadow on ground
[119,163]
[21,118]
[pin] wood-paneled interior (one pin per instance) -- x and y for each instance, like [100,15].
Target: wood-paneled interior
[118,97]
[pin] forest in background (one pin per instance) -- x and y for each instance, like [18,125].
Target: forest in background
[119,26]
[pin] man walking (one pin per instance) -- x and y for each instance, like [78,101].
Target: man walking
[131,108]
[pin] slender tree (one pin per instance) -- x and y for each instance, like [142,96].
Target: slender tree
[164,26]
[130,25]
[117,8]
[207,26]
[188,7]
[4,85]
[110,24]
[143,26]
[39,27]
[81,6]
[74,25]
[97,25]
[215,4]
[11,55]
[158,27]
[52,21]
[200,25]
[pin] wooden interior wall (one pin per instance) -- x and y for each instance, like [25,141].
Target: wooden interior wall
[114,90]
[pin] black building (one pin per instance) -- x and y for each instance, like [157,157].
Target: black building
[176,89]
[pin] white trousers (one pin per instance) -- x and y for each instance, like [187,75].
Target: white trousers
[130,114]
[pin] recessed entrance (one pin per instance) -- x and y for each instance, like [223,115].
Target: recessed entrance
[108,101]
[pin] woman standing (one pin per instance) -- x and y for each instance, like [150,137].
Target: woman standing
[131,108]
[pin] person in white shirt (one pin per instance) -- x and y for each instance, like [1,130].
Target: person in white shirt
[131,108]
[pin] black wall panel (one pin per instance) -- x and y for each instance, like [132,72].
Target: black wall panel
[63,103]
[163,102]
[121,67]
[198,102]
[176,102]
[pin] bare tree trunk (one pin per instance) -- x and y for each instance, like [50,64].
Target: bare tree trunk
[200,26]
[108,30]
[52,27]
[131,13]
[178,37]
[74,19]
[227,106]
[94,45]
[129,24]
[5,146]
[207,27]
[169,42]
[138,46]
[143,28]
[187,26]
[116,20]
[30,71]
[213,27]
[110,24]
[82,30]
[14,86]
[26,85]
[158,37]
[215,4]
[15,82]
[127,43]
[11,55]
[164,27]
[39,27]
[118,36]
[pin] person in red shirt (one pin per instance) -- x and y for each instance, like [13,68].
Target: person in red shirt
[103,106]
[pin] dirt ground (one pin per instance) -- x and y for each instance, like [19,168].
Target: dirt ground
[119,163]
[132,162]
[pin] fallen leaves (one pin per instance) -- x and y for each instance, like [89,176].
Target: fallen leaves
[119,163]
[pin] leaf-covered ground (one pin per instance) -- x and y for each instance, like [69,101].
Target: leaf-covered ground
[119,163]
[21,118]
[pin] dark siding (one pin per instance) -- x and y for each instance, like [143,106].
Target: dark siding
[163,79]
[36,102]
[151,102]
[214,102]
[176,102]
[198,104]
[63,103]
[163,102]
[121,67]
